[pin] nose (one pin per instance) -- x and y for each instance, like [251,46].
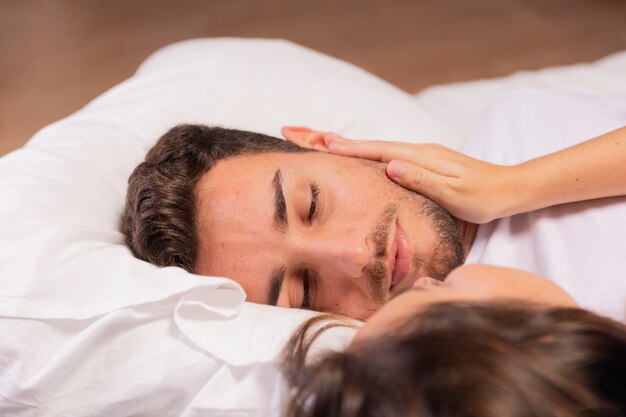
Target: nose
[341,252]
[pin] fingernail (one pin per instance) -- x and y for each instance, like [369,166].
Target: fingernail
[395,168]
[330,139]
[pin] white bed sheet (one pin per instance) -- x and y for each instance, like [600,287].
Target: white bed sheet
[89,330]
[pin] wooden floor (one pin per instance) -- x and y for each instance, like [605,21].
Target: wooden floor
[56,55]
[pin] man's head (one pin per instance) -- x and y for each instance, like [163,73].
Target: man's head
[294,228]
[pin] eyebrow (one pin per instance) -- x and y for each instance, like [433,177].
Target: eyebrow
[280,207]
[281,223]
[276,282]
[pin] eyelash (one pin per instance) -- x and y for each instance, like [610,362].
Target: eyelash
[306,274]
[306,290]
[315,191]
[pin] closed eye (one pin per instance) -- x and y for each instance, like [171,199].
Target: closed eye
[315,191]
[306,290]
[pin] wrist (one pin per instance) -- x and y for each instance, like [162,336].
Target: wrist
[519,190]
[533,186]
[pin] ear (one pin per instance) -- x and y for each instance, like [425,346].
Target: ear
[305,137]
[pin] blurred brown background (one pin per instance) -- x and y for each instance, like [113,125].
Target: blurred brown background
[56,55]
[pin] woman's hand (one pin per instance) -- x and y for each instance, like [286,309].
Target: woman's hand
[469,189]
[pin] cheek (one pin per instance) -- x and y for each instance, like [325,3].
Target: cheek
[369,185]
[484,281]
[359,189]
[475,286]
[396,312]
[379,324]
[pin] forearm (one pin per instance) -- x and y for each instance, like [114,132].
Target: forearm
[592,169]
[479,191]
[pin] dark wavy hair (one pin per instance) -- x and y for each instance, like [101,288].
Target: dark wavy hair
[468,359]
[159,220]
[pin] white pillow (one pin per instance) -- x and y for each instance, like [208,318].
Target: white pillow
[89,330]
[460,104]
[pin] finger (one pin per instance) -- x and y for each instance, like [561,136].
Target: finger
[436,158]
[305,137]
[332,137]
[375,150]
[292,133]
[418,179]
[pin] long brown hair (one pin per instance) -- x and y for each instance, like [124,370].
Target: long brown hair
[469,359]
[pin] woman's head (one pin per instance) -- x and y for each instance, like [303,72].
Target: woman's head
[467,283]
[473,359]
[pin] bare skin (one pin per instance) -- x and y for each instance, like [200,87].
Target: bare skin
[348,238]
[478,191]
[467,283]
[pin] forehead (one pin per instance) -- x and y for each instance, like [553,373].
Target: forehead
[253,170]
[235,212]
[230,197]
[233,183]
[236,177]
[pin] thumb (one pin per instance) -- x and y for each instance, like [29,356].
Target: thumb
[416,178]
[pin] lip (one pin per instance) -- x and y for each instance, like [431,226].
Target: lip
[391,260]
[400,257]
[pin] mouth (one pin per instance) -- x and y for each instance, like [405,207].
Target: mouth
[399,257]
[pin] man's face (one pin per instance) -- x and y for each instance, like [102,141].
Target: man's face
[319,231]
